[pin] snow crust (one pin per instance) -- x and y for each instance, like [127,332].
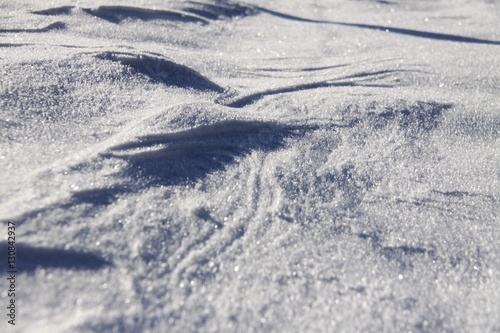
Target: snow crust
[267,166]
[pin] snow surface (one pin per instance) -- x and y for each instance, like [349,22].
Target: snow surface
[268,166]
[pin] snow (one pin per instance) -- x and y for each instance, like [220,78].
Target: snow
[267,166]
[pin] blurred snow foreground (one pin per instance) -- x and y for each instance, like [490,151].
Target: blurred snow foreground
[267,166]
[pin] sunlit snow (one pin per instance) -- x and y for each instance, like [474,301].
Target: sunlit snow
[259,166]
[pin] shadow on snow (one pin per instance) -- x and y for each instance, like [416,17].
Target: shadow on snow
[186,156]
[163,71]
[29,258]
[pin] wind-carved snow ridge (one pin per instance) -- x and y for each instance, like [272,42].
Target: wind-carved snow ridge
[196,12]
[180,157]
[389,29]
[116,14]
[163,71]
[421,34]
[363,79]
[199,12]
[12,45]
[220,9]
[51,27]
[64,10]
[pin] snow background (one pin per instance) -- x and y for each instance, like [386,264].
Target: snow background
[265,166]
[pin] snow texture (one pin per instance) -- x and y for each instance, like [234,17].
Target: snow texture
[266,166]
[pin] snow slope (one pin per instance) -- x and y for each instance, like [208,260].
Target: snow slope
[267,166]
